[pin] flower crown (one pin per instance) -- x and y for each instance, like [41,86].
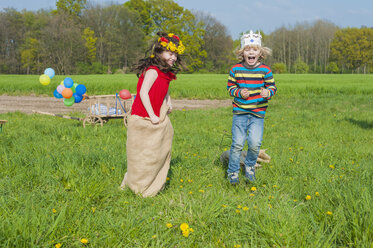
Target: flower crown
[169,45]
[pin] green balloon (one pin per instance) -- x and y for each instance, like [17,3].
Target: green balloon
[69,101]
[73,87]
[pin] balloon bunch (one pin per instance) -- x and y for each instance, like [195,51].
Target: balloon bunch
[45,78]
[70,92]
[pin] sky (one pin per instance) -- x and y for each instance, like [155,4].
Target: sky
[243,15]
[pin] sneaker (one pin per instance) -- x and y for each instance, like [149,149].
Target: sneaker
[250,173]
[233,178]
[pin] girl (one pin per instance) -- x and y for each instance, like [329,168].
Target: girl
[149,132]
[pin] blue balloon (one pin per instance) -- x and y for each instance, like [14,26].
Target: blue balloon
[78,98]
[68,82]
[80,89]
[57,95]
[49,72]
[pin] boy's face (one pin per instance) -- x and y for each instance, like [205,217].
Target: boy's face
[251,55]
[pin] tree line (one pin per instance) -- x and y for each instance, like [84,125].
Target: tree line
[81,38]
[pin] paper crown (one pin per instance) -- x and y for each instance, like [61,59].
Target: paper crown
[251,39]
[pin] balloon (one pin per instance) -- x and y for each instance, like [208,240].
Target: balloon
[56,94]
[68,82]
[61,83]
[44,79]
[78,98]
[49,72]
[74,87]
[80,89]
[67,93]
[125,94]
[69,101]
[60,88]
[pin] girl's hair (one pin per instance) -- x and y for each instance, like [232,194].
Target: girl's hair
[153,55]
[264,52]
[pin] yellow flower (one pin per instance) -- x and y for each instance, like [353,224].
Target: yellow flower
[308,197]
[329,213]
[58,245]
[275,186]
[186,232]
[181,180]
[224,206]
[253,188]
[201,190]
[291,160]
[295,200]
[171,35]
[163,43]
[167,179]
[190,193]
[317,193]
[169,225]
[190,180]
[238,211]
[84,241]
[245,208]
[331,166]
[93,209]
[251,194]
[184,226]
[154,236]
[239,206]
[152,56]
[191,229]
[210,185]
[255,207]
[54,210]
[237,246]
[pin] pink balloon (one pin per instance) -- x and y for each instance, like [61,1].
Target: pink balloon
[60,88]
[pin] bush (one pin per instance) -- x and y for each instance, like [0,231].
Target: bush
[279,68]
[94,68]
[332,68]
[301,67]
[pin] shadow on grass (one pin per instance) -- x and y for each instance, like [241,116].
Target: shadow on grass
[362,124]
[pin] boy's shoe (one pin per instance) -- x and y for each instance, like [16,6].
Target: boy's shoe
[250,173]
[233,178]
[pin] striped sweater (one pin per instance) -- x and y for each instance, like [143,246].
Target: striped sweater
[252,79]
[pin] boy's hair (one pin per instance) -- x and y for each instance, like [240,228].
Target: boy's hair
[153,54]
[264,52]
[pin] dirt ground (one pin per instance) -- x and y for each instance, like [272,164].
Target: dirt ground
[27,104]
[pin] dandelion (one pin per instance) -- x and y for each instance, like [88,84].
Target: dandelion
[58,245]
[239,206]
[253,188]
[169,225]
[269,205]
[190,180]
[181,180]
[329,213]
[251,194]
[270,197]
[308,197]
[301,148]
[191,229]
[84,241]
[186,233]
[255,207]
[201,191]
[237,246]
[317,194]
[275,186]
[295,200]
[245,208]
[190,193]
[238,211]
[331,166]
[154,236]
[224,206]
[54,210]
[291,160]
[184,226]
[167,179]
[181,186]
[210,185]
[93,210]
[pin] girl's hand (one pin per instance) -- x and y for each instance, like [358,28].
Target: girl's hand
[264,92]
[169,109]
[245,93]
[154,119]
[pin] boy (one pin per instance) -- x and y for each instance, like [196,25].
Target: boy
[251,84]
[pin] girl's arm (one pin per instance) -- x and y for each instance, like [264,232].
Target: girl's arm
[149,79]
[168,101]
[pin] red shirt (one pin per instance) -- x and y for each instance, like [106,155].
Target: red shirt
[157,92]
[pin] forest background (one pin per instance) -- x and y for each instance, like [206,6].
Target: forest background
[82,38]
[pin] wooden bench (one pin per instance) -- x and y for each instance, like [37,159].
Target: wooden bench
[1,124]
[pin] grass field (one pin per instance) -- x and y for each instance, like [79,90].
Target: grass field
[59,182]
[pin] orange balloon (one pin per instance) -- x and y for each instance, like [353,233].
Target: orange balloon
[67,93]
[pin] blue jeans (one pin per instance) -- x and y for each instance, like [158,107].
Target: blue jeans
[250,128]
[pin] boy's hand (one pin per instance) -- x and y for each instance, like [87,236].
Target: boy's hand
[264,92]
[245,93]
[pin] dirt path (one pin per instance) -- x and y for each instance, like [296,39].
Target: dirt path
[50,104]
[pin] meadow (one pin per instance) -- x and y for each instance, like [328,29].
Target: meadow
[59,181]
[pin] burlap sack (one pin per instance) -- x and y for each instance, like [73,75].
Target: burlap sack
[148,153]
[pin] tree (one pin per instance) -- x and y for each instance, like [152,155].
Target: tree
[332,67]
[71,7]
[29,54]
[90,44]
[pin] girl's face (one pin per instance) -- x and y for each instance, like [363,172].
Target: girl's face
[169,57]
[251,55]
